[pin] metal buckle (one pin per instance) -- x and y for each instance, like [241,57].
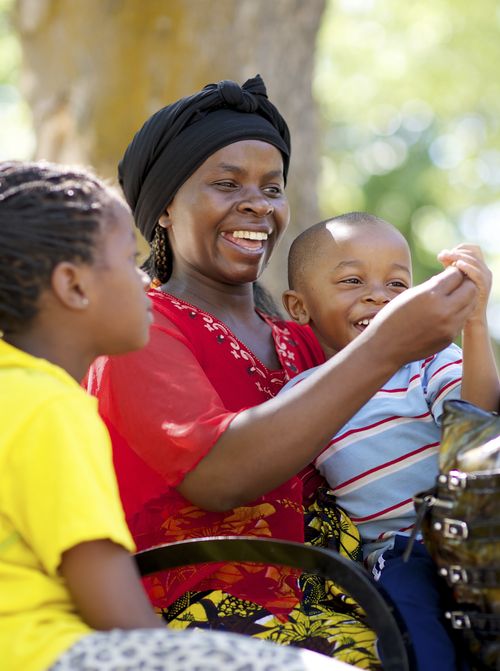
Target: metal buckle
[458,619]
[455,529]
[454,574]
[452,528]
[457,480]
[453,480]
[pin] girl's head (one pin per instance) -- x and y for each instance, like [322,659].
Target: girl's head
[166,156]
[67,260]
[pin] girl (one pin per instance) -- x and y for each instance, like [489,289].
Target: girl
[69,292]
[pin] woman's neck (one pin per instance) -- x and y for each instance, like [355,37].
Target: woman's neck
[225,301]
[234,306]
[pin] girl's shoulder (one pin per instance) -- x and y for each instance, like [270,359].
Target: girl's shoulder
[30,384]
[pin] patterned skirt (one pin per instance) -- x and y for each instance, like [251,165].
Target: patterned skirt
[327,620]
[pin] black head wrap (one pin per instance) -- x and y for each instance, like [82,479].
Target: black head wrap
[177,139]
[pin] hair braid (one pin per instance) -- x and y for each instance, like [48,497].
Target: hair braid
[159,263]
[48,214]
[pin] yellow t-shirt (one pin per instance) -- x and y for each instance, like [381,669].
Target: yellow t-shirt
[57,489]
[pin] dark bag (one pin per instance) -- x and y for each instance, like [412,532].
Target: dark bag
[460,522]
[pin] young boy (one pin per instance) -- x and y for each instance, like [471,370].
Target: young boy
[341,273]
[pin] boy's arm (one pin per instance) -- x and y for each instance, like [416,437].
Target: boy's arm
[480,382]
[480,379]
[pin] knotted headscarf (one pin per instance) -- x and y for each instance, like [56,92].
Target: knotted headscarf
[177,139]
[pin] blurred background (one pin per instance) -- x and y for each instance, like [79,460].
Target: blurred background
[394,107]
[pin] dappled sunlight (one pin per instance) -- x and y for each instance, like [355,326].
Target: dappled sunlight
[17,139]
[410,101]
[433,230]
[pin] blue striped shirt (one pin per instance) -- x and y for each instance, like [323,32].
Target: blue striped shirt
[389,450]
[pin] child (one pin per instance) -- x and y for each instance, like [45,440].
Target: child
[342,272]
[69,292]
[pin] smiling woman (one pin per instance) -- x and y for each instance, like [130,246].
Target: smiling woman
[227,217]
[211,451]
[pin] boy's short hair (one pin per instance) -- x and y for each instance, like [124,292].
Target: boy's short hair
[307,245]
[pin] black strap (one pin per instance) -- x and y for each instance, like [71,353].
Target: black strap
[424,503]
[393,643]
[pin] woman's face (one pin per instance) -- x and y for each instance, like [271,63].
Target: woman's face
[226,219]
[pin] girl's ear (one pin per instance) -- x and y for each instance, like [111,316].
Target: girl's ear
[68,285]
[296,306]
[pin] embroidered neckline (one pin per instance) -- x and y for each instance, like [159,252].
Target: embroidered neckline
[275,330]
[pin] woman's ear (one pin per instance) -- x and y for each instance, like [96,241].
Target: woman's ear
[164,220]
[296,307]
[68,285]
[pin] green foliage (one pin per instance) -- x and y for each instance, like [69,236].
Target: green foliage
[410,106]
[16,133]
[410,110]
[10,54]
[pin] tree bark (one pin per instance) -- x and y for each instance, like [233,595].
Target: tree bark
[95,70]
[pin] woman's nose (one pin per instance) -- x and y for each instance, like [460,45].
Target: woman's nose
[256,204]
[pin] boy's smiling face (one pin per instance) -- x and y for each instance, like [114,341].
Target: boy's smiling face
[358,270]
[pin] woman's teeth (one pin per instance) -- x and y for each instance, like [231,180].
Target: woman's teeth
[250,235]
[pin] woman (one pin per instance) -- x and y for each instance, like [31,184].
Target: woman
[212,451]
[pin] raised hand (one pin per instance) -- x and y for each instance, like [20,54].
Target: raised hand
[426,318]
[469,260]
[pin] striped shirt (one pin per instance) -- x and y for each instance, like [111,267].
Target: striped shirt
[389,450]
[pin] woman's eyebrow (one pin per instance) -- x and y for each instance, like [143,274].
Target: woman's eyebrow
[228,167]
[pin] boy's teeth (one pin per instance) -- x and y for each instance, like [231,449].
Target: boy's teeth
[250,235]
[364,322]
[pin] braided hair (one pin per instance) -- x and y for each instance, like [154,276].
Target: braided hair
[159,263]
[48,214]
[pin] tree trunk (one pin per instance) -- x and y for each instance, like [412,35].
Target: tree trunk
[95,70]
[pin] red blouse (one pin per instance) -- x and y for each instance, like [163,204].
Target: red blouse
[170,402]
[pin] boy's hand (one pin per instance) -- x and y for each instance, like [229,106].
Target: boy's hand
[469,259]
[426,318]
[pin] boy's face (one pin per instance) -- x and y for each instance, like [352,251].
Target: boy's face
[359,270]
